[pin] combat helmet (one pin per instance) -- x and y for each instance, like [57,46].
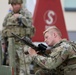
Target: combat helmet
[15,1]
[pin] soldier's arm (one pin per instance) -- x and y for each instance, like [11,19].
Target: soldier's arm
[26,17]
[56,58]
[5,20]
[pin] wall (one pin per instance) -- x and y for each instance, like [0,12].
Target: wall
[3,10]
[70,18]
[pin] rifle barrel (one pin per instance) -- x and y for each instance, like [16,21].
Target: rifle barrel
[26,41]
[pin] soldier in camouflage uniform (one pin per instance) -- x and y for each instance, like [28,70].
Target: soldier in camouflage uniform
[18,21]
[61,60]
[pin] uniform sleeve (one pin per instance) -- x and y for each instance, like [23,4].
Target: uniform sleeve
[56,58]
[5,19]
[26,17]
[4,22]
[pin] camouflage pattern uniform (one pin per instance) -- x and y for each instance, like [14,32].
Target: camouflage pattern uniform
[21,26]
[62,60]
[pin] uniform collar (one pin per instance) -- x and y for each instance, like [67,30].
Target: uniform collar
[57,44]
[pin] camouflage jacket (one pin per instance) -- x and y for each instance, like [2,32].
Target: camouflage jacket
[60,53]
[23,21]
[25,15]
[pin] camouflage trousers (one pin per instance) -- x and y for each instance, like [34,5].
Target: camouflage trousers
[23,64]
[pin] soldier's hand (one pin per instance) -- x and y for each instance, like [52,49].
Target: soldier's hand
[32,52]
[16,15]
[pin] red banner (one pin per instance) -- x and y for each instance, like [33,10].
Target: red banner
[47,13]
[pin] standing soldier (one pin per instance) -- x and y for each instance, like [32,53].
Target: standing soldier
[18,21]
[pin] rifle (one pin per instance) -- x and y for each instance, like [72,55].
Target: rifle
[5,54]
[41,48]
